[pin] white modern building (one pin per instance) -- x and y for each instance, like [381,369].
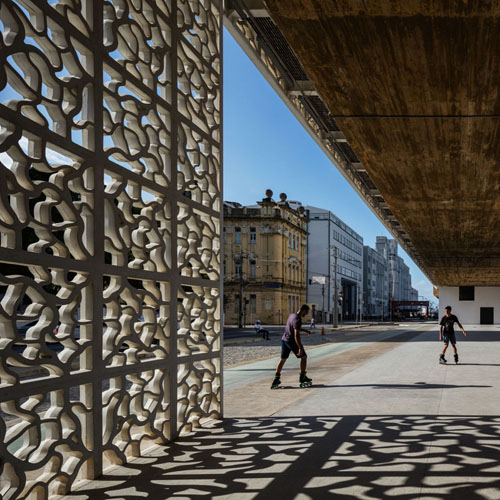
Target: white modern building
[330,240]
[375,284]
[471,304]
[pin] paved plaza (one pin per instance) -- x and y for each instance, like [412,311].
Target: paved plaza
[383,420]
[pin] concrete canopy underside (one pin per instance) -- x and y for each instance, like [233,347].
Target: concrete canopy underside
[414,88]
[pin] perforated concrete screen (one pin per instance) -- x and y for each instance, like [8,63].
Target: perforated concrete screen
[110,334]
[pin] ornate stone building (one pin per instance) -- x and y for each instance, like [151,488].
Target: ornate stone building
[265,248]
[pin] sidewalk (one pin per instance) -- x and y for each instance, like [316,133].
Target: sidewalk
[383,420]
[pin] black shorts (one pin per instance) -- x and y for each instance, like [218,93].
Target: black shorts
[288,346]
[449,338]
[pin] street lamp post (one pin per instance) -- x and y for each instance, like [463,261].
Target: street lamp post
[323,306]
[238,260]
[341,308]
[357,301]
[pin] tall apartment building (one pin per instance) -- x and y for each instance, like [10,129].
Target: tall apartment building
[264,260]
[375,284]
[330,236]
[400,288]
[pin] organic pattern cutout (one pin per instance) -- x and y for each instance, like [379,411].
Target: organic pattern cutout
[110,175]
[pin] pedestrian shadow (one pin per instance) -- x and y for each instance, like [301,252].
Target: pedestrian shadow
[390,456]
[416,385]
[474,364]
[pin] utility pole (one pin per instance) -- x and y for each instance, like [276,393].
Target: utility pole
[238,260]
[341,308]
[240,310]
[335,292]
[323,306]
[357,301]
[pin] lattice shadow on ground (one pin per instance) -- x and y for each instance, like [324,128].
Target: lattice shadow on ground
[362,457]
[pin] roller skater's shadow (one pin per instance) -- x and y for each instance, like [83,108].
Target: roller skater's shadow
[473,364]
[417,385]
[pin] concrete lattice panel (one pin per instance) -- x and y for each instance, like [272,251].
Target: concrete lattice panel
[110,216]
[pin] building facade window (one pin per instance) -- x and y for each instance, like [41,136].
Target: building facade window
[466,293]
[253,304]
[237,235]
[237,268]
[253,235]
[253,269]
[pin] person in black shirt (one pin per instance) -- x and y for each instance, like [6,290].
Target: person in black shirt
[447,333]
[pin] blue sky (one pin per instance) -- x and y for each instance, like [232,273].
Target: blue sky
[266,147]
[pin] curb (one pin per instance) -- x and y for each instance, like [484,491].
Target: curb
[230,343]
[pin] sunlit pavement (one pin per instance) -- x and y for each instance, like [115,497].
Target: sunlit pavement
[382,420]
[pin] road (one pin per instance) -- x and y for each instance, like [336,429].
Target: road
[231,332]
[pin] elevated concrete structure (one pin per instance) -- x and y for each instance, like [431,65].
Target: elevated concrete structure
[413,89]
